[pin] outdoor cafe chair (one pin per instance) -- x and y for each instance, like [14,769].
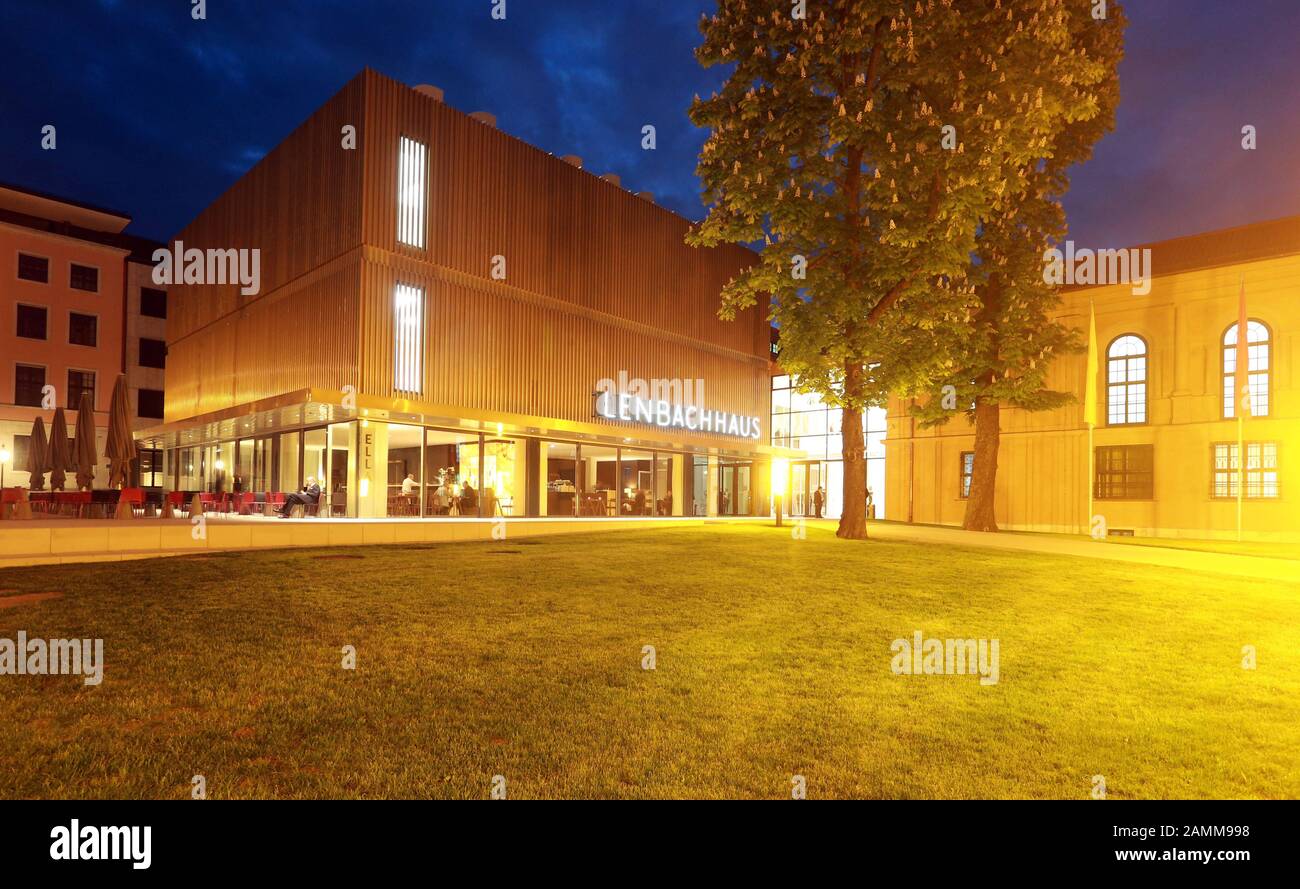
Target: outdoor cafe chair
[133,496]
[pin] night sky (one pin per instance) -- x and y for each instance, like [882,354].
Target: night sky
[157,114]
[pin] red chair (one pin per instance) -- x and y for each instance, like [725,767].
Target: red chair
[176,500]
[133,496]
[243,503]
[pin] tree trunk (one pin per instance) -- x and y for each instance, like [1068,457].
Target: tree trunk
[853,518]
[983,483]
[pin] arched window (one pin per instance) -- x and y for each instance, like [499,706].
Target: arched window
[1126,380]
[1258,363]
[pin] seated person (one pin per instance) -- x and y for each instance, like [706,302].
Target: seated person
[468,498]
[409,484]
[666,504]
[638,502]
[309,494]
[440,500]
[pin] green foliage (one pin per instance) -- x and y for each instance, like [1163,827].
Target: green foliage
[1002,354]
[826,145]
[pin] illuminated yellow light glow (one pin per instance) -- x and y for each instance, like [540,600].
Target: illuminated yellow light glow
[780,470]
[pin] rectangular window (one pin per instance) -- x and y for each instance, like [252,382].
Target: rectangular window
[408,339]
[150,404]
[967,472]
[152,467]
[31,322]
[153,302]
[412,162]
[1261,470]
[84,277]
[22,444]
[29,380]
[33,268]
[80,381]
[1125,472]
[153,353]
[83,330]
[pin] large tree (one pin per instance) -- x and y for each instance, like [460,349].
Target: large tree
[860,144]
[1001,355]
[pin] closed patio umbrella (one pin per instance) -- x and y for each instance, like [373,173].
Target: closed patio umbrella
[38,456]
[120,447]
[60,461]
[85,456]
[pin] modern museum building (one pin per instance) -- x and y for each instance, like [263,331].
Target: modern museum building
[432,318]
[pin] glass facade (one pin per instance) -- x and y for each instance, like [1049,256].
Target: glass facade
[376,469]
[801,421]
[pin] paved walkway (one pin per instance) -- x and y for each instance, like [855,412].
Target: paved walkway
[1220,563]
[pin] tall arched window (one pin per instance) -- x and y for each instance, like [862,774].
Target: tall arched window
[1258,363]
[1126,380]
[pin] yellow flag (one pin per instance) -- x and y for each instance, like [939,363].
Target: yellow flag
[1090,390]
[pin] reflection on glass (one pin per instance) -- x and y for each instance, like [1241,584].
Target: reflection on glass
[262,452]
[290,480]
[242,478]
[340,469]
[189,470]
[315,442]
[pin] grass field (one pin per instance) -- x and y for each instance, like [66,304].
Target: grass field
[524,659]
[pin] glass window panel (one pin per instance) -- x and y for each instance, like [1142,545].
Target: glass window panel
[663,484]
[599,481]
[805,401]
[808,423]
[560,466]
[289,476]
[636,495]
[450,473]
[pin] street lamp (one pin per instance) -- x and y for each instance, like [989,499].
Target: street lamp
[780,469]
[5,457]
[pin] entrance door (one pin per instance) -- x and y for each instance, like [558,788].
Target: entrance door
[798,488]
[733,489]
[806,478]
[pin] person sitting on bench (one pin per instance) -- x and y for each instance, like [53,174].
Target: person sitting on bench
[306,497]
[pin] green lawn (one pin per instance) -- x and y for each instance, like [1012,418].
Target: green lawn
[523,659]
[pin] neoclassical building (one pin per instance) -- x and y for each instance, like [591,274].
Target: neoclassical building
[1166,433]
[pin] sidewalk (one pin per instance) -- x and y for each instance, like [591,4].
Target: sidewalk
[1220,563]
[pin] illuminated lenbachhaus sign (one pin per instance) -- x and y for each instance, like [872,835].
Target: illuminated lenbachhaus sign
[631,408]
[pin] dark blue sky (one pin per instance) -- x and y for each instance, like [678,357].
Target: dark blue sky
[157,114]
